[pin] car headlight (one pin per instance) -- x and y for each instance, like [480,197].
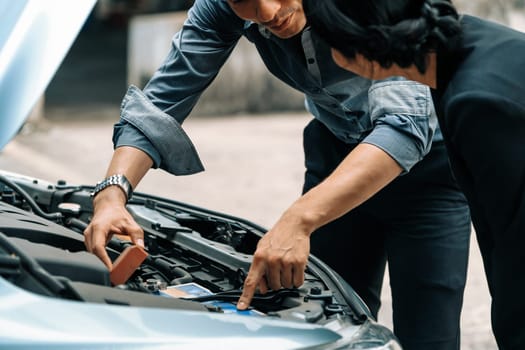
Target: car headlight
[369,335]
[373,336]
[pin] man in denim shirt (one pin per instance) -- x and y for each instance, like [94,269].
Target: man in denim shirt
[364,135]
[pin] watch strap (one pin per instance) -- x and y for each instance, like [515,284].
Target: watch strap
[114,180]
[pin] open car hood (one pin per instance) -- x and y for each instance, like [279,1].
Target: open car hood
[35,36]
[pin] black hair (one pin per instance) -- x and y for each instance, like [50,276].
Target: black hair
[386,31]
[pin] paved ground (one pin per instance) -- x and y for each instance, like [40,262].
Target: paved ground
[246,176]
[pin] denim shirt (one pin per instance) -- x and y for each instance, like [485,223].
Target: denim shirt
[395,115]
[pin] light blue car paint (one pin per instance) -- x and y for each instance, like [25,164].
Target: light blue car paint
[35,36]
[30,321]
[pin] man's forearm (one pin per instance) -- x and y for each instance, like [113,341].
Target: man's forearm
[110,214]
[365,171]
[129,161]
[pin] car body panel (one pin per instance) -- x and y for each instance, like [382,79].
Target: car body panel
[29,320]
[35,36]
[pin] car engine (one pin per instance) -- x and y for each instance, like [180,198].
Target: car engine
[197,259]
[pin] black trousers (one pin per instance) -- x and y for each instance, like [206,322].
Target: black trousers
[419,223]
[487,153]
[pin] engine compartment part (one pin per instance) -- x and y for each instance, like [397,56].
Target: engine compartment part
[127,262]
[193,258]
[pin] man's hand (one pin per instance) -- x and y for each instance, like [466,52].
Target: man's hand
[109,205]
[279,261]
[110,217]
[281,255]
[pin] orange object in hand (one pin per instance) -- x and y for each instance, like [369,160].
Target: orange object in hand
[128,261]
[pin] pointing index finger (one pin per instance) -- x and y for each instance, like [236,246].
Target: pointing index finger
[250,284]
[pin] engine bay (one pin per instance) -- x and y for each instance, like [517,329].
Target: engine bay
[197,259]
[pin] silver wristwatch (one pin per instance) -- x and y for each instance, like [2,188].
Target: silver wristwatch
[114,180]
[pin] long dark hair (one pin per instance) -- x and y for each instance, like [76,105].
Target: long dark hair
[386,31]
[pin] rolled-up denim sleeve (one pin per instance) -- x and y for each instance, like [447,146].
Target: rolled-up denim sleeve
[404,120]
[151,118]
[125,134]
[156,133]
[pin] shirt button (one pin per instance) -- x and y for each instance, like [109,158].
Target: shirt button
[311,61]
